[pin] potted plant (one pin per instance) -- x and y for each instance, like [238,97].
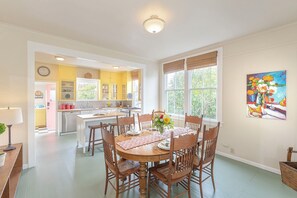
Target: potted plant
[2,154]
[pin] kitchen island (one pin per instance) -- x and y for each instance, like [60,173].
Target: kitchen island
[83,121]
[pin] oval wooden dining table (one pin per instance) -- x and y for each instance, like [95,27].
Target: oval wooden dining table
[142,154]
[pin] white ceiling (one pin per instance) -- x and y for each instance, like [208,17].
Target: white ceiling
[117,25]
[80,62]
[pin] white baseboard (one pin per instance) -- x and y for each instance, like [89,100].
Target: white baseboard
[25,166]
[261,166]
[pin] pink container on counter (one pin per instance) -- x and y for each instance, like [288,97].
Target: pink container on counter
[62,106]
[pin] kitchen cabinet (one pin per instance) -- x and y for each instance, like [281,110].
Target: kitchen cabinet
[124,92]
[114,92]
[67,79]
[105,92]
[113,85]
[67,90]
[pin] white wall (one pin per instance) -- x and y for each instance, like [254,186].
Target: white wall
[259,142]
[15,76]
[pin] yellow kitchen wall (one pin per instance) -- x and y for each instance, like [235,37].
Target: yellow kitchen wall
[119,84]
[124,82]
[70,73]
[40,117]
[61,73]
[104,77]
[66,73]
[118,81]
[129,82]
[110,78]
[82,71]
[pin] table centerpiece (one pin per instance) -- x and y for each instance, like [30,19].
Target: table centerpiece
[162,122]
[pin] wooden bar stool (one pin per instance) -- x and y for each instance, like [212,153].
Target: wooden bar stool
[92,138]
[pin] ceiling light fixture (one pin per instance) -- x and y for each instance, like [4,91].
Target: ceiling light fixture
[116,67]
[85,59]
[58,58]
[154,24]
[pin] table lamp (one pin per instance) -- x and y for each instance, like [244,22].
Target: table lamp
[10,116]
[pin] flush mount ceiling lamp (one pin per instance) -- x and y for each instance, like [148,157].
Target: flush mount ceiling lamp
[154,24]
[59,58]
[116,67]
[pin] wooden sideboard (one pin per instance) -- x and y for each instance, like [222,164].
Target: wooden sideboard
[11,171]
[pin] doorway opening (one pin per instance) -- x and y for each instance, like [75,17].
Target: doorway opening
[45,54]
[45,107]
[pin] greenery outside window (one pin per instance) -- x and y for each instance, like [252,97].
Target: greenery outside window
[86,89]
[174,92]
[203,92]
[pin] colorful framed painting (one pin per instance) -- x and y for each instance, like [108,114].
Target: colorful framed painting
[266,95]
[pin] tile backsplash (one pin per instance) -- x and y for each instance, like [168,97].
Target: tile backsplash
[97,104]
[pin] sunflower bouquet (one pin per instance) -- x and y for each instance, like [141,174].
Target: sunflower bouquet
[162,122]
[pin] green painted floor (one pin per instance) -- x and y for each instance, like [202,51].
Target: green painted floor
[64,172]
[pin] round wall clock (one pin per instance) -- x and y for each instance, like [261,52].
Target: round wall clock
[43,71]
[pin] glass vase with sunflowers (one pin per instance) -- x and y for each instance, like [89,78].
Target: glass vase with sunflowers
[162,122]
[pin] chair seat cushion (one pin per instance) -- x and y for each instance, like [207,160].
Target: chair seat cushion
[161,171]
[127,167]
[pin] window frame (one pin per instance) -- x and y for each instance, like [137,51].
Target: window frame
[173,89]
[187,86]
[87,80]
[190,88]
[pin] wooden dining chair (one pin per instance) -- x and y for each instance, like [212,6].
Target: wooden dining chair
[178,168]
[144,121]
[158,112]
[92,137]
[125,124]
[204,161]
[117,169]
[193,122]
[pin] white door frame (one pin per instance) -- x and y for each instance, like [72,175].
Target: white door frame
[33,47]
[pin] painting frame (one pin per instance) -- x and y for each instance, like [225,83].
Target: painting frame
[266,94]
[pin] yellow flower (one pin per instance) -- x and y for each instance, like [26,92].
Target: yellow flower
[256,79]
[268,78]
[251,78]
[250,92]
[166,120]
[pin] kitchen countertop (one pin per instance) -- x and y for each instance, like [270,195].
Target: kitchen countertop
[104,108]
[106,115]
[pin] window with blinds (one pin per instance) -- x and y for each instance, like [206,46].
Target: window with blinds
[200,97]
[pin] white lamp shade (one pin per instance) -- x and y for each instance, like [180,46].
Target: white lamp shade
[154,24]
[10,116]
